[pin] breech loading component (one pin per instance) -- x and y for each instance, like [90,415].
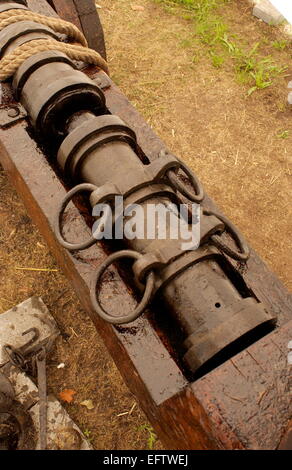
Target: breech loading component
[204,292]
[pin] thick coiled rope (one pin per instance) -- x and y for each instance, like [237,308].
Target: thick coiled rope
[58,25]
[11,62]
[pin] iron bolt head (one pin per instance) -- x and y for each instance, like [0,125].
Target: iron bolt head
[13,112]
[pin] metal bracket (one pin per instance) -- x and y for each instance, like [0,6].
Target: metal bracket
[102,81]
[9,115]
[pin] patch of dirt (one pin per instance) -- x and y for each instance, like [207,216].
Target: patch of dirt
[229,140]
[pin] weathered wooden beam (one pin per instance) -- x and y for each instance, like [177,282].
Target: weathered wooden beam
[67,11]
[84,15]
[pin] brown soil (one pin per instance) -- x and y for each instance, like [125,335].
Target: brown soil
[230,141]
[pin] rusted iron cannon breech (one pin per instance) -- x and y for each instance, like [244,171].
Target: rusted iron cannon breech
[216,312]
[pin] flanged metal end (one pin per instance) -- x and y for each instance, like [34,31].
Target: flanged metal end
[197,193]
[248,314]
[56,100]
[88,137]
[146,299]
[32,64]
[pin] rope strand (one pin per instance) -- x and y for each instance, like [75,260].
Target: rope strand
[58,25]
[11,62]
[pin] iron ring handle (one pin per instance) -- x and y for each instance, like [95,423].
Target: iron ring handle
[58,231]
[244,252]
[196,196]
[147,296]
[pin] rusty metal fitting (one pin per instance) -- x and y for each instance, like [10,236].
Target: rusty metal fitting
[32,64]
[162,165]
[202,346]
[157,259]
[148,175]
[107,139]
[147,295]
[156,190]
[21,32]
[149,262]
[172,270]
[219,315]
[97,197]
[59,91]
[105,193]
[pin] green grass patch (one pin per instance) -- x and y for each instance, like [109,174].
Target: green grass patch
[217,60]
[252,68]
[152,438]
[280,45]
[283,134]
